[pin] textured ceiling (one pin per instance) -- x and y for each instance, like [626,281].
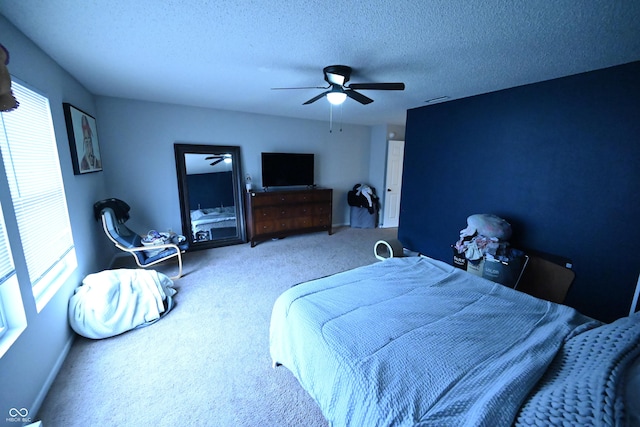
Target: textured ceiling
[227,54]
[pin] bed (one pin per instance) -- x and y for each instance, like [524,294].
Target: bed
[416,342]
[207,219]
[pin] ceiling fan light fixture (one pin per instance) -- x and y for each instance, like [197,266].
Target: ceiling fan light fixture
[337,97]
[336,79]
[337,76]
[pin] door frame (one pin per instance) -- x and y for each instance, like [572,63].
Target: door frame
[393,184]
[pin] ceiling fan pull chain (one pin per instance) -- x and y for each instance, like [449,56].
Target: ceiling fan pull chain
[330,118]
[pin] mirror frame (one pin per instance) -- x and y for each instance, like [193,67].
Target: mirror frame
[180,150]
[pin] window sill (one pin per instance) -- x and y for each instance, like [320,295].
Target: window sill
[14,314]
[9,338]
[50,285]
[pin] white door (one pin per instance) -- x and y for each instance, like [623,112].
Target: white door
[395,158]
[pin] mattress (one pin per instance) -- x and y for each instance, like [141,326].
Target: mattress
[414,341]
[206,219]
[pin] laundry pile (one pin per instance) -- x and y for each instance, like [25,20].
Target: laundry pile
[483,249]
[364,205]
[485,235]
[363,196]
[154,238]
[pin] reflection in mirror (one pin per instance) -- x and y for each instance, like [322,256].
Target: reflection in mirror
[210,194]
[211,206]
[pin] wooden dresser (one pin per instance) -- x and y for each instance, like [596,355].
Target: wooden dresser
[274,214]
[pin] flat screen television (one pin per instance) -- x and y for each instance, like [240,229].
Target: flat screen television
[287,169]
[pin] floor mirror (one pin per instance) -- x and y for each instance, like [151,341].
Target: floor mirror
[210,187]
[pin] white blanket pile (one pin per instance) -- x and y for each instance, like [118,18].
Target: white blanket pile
[115,301]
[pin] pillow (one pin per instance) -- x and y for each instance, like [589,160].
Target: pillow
[197,214]
[487,225]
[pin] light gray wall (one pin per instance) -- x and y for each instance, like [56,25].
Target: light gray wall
[30,365]
[137,138]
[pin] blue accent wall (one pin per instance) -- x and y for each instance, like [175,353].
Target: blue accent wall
[560,160]
[210,190]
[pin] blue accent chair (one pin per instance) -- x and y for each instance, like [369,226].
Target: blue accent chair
[113,213]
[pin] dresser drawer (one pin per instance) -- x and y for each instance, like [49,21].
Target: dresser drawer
[265,227]
[303,222]
[279,198]
[322,196]
[263,199]
[286,224]
[320,209]
[322,221]
[274,212]
[305,210]
[275,225]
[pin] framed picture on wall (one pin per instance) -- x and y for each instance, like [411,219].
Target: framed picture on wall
[83,140]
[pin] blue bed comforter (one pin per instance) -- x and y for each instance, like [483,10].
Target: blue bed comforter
[414,341]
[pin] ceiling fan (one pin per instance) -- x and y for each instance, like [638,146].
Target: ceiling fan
[337,76]
[219,158]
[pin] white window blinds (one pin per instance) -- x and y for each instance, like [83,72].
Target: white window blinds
[6,267]
[30,155]
[6,260]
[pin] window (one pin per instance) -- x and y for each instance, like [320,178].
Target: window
[30,155]
[6,270]
[12,315]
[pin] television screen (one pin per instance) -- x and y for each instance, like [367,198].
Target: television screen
[287,169]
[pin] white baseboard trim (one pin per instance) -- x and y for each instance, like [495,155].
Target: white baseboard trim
[35,407]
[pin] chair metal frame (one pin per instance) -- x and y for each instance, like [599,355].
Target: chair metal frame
[133,250]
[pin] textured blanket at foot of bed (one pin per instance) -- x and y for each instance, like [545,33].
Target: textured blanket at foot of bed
[111,302]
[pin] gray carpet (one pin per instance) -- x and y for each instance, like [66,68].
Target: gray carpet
[207,362]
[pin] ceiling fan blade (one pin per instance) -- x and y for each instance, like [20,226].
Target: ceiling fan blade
[358,97]
[304,87]
[315,98]
[211,157]
[377,86]
[216,162]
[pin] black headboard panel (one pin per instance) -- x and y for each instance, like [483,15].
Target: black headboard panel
[560,160]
